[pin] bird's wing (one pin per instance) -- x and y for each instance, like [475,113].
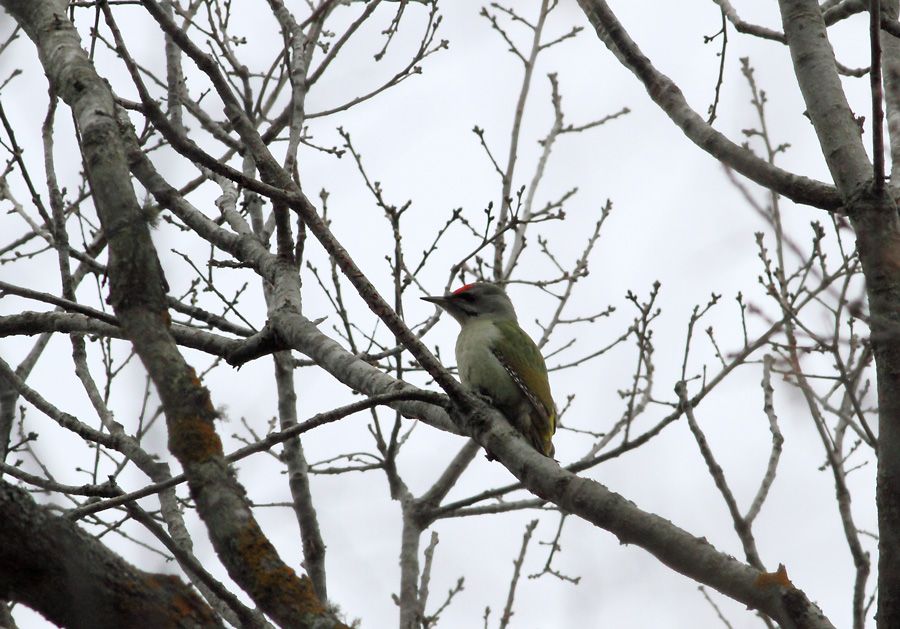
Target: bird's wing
[523,361]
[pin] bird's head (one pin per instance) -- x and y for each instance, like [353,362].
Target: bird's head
[476,300]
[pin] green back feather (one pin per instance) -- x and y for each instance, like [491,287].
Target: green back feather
[524,357]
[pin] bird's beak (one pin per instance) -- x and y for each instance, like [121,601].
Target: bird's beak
[448,304]
[440,301]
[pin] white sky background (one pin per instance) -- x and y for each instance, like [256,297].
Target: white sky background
[676,219]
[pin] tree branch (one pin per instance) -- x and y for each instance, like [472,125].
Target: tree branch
[55,568]
[670,99]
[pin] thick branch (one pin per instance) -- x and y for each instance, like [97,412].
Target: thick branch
[55,568]
[670,99]
[692,556]
[826,105]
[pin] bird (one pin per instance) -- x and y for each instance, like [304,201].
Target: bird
[498,360]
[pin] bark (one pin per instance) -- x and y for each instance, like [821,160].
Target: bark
[417,516]
[55,568]
[8,398]
[826,104]
[887,492]
[298,475]
[410,612]
[878,241]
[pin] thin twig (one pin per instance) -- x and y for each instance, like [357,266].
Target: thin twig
[517,570]
[877,96]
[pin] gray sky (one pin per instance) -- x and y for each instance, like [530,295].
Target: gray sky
[676,219]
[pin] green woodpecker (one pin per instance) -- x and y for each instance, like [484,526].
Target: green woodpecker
[497,359]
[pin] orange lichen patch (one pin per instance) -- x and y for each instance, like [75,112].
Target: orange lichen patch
[273,581]
[192,375]
[208,406]
[194,439]
[165,582]
[768,579]
[196,391]
[179,600]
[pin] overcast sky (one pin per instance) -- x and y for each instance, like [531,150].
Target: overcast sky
[676,219]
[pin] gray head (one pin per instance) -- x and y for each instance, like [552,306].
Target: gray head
[476,300]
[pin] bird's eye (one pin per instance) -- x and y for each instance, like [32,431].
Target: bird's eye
[466,296]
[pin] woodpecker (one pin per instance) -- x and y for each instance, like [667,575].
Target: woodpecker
[497,359]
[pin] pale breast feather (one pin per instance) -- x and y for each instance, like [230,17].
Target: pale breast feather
[473,349]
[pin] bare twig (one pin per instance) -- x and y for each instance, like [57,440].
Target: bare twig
[514,580]
[877,95]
